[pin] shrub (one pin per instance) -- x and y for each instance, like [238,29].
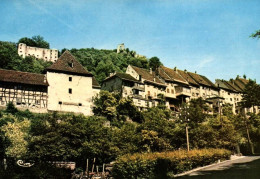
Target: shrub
[158,165]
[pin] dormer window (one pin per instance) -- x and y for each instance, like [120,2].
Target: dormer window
[71,64]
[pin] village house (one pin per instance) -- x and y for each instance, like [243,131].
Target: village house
[153,85]
[126,86]
[237,86]
[39,53]
[194,86]
[177,90]
[230,93]
[66,87]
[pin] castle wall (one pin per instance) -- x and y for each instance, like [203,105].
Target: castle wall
[40,53]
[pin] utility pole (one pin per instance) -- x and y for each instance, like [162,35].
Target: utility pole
[187,136]
[186,120]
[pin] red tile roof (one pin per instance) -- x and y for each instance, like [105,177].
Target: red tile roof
[171,74]
[202,80]
[68,64]
[148,76]
[123,76]
[22,77]
[187,77]
[239,83]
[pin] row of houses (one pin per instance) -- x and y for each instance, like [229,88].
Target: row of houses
[146,87]
[67,86]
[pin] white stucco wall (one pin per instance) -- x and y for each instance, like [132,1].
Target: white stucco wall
[58,91]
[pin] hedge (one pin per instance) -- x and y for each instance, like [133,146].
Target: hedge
[159,165]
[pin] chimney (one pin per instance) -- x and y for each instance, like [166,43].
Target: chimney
[154,79]
[175,69]
[151,71]
[195,72]
[185,71]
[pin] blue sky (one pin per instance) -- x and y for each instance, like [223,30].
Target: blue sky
[207,36]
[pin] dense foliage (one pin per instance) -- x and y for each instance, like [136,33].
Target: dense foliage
[103,62]
[12,61]
[162,165]
[35,41]
[111,134]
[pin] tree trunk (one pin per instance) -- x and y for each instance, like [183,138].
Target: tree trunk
[250,144]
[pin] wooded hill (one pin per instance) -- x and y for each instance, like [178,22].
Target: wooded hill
[99,62]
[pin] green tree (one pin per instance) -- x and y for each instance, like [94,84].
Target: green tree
[27,41]
[35,41]
[17,132]
[256,34]
[57,137]
[105,105]
[251,95]
[9,57]
[154,63]
[40,42]
[128,132]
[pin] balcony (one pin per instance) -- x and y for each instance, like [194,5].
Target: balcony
[170,95]
[138,87]
[138,96]
[182,91]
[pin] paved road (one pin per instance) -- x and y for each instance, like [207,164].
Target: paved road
[244,168]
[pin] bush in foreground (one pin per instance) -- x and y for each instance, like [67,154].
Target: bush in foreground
[159,165]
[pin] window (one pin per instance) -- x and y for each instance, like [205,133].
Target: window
[70,91]
[70,78]
[230,99]
[70,64]
[38,102]
[149,93]
[172,91]
[60,102]
[80,104]
[154,94]
[168,91]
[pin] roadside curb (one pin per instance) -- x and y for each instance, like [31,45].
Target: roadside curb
[200,168]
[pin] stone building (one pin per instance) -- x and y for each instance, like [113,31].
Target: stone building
[70,86]
[39,53]
[24,90]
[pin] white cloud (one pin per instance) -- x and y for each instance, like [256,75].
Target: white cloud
[205,62]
